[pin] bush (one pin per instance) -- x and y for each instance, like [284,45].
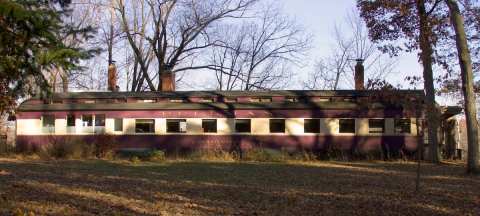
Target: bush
[212,155]
[142,154]
[156,155]
[134,159]
[104,145]
[303,155]
[264,155]
[69,148]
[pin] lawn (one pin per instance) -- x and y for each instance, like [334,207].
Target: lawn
[98,187]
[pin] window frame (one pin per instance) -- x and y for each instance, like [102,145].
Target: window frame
[49,129]
[83,120]
[206,121]
[277,119]
[145,119]
[317,125]
[376,119]
[402,119]
[74,120]
[115,124]
[103,122]
[340,126]
[249,125]
[179,128]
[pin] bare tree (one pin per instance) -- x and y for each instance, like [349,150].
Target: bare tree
[166,35]
[82,15]
[256,54]
[336,70]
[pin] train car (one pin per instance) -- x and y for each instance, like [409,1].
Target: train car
[359,120]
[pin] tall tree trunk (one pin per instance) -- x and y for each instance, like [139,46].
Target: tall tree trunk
[465,61]
[427,61]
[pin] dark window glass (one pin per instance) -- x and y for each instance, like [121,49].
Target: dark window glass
[70,120]
[242,125]
[87,120]
[277,125]
[311,126]
[48,121]
[118,124]
[145,126]
[209,125]
[346,126]
[402,126]
[376,125]
[100,120]
[176,125]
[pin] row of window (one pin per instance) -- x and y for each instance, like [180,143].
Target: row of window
[346,125]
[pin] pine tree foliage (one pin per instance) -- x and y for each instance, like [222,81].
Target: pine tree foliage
[31,34]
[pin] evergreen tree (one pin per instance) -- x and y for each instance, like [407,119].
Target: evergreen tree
[31,35]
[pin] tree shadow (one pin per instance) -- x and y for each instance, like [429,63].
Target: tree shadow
[206,188]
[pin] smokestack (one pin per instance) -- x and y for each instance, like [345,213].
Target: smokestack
[359,75]
[168,81]
[112,77]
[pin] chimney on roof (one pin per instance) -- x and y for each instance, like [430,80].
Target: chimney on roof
[112,77]
[168,79]
[359,75]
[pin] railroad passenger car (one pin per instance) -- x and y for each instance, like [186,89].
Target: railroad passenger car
[360,120]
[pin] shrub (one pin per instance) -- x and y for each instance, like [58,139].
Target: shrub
[134,159]
[104,145]
[142,154]
[155,155]
[303,155]
[212,155]
[264,155]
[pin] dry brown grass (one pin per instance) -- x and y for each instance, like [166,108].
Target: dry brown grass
[97,187]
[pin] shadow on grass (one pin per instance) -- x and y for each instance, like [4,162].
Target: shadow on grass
[206,188]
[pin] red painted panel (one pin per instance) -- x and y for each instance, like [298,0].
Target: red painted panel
[227,142]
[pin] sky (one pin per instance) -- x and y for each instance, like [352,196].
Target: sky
[319,17]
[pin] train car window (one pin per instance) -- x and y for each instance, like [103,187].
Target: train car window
[144,125]
[346,126]
[402,125]
[176,125]
[311,126]
[243,125]
[376,126]
[87,120]
[100,120]
[118,124]
[277,125]
[48,123]
[209,125]
[70,120]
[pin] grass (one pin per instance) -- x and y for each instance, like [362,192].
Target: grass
[98,187]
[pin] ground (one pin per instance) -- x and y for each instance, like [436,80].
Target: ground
[99,187]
